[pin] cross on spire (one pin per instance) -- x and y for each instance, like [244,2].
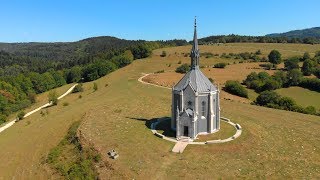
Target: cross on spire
[195,55]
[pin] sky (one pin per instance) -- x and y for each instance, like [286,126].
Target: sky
[73,20]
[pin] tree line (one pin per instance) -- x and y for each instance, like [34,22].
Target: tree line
[232,38]
[29,69]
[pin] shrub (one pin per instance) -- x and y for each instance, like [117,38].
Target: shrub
[292,63]
[179,62]
[53,97]
[65,104]
[77,88]
[308,67]
[287,103]
[310,110]
[161,71]
[20,115]
[306,56]
[220,65]
[275,57]
[258,52]
[3,118]
[267,97]
[310,83]
[163,54]
[294,77]
[32,97]
[270,84]
[316,72]
[80,96]
[234,87]
[183,68]
[95,86]
[211,80]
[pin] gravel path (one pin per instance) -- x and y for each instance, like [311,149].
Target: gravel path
[9,124]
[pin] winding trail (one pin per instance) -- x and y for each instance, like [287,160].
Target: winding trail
[143,82]
[9,124]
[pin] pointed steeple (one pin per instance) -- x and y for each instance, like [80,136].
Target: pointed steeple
[195,54]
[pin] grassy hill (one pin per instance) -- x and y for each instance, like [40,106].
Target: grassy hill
[302,96]
[274,143]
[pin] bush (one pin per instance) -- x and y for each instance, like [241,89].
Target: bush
[294,77]
[95,86]
[287,103]
[267,97]
[183,68]
[220,65]
[161,71]
[3,118]
[32,97]
[308,67]
[310,110]
[310,83]
[179,62]
[292,63]
[316,72]
[77,88]
[274,57]
[65,104]
[53,97]
[270,84]
[234,87]
[306,56]
[258,52]
[163,54]
[20,115]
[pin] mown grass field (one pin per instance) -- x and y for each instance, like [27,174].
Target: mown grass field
[274,143]
[303,97]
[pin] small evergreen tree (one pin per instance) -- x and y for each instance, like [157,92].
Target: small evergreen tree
[275,57]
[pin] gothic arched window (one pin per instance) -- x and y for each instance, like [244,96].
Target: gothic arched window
[203,108]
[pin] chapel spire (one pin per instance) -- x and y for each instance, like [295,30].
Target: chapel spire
[195,55]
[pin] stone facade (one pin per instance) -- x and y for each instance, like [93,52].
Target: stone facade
[195,101]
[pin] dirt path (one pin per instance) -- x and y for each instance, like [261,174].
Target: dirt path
[143,82]
[9,124]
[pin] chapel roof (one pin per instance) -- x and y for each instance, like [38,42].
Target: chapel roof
[197,80]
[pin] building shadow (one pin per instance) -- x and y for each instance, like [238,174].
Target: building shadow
[163,127]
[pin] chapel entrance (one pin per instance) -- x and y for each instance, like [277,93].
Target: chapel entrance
[185,131]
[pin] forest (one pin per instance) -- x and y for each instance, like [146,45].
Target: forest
[27,69]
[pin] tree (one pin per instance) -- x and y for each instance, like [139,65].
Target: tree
[306,56]
[316,72]
[308,67]
[281,77]
[268,97]
[53,97]
[74,74]
[275,57]
[234,87]
[287,103]
[20,115]
[183,68]
[294,77]
[270,84]
[292,63]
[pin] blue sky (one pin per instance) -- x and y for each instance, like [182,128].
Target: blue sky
[72,20]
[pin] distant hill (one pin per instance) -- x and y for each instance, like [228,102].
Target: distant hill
[304,33]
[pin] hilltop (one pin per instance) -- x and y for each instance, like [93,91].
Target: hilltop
[275,143]
[303,33]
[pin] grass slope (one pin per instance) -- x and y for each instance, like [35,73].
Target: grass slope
[274,143]
[303,97]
